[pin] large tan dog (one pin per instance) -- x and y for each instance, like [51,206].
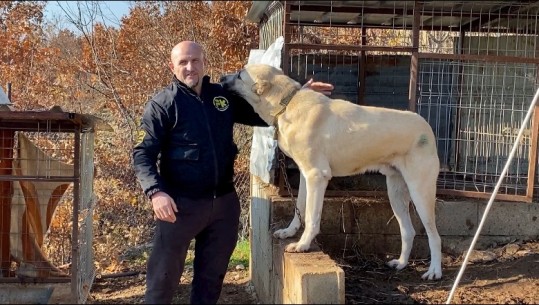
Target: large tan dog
[331,137]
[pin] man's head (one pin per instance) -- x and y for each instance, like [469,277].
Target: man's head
[187,63]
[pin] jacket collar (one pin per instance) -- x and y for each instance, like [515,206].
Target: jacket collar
[183,86]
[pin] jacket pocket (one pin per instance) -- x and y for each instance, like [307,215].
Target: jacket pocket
[184,152]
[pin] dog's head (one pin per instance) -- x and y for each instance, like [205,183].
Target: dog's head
[263,86]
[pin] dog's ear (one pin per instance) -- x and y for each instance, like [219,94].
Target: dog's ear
[261,87]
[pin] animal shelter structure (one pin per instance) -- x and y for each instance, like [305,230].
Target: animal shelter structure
[46,206]
[470,68]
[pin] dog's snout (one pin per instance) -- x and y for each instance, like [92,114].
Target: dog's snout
[226,80]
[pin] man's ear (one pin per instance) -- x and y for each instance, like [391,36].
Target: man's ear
[171,66]
[261,87]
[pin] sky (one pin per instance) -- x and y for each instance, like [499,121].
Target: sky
[113,11]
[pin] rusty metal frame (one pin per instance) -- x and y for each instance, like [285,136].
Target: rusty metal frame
[66,122]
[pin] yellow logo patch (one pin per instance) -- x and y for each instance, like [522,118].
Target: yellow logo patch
[220,103]
[141,133]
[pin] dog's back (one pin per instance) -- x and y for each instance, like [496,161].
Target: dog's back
[357,138]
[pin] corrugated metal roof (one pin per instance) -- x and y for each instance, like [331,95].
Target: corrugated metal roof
[443,15]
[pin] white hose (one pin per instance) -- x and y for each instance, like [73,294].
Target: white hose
[487,209]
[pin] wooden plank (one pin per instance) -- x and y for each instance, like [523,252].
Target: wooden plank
[471,194]
[533,154]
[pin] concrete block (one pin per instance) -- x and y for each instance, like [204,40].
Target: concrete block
[336,215]
[375,217]
[456,217]
[311,278]
[510,218]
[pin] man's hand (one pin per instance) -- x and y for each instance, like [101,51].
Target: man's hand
[164,207]
[321,87]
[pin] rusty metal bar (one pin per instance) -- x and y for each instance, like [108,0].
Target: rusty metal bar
[336,47]
[362,67]
[287,35]
[482,58]
[460,80]
[422,28]
[414,62]
[6,194]
[34,280]
[501,14]
[38,178]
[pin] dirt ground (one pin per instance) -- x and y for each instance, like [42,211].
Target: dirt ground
[508,274]
[505,275]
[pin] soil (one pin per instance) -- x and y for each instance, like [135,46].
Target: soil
[508,274]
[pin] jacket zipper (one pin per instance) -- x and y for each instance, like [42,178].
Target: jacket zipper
[216,172]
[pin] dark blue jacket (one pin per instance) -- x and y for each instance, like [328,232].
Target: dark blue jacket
[192,138]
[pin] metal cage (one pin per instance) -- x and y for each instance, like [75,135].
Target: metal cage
[468,67]
[47,206]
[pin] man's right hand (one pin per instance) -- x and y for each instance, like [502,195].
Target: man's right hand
[164,207]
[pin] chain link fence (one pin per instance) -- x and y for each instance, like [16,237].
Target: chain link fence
[243,136]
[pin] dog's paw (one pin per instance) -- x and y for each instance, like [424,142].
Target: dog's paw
[432,274]
[296,248]
[284,233]
[397,264]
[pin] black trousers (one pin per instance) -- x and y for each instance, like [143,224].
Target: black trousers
[213,223]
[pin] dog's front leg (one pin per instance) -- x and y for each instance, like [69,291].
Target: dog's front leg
[299,213]
[316,183]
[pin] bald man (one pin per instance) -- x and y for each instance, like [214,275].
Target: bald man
[188,128]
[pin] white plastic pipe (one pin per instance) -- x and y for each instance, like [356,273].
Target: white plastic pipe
[487,209]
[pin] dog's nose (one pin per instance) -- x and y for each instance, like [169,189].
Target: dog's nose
[226,80]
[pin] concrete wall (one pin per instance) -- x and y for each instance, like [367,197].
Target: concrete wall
[367,224]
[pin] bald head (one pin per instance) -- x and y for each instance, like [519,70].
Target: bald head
[187,63]
[184,47]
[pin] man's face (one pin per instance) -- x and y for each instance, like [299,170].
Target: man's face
[188,65]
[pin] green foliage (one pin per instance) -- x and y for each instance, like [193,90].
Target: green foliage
[240,256]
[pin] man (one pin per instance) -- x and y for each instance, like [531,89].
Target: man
[189,128]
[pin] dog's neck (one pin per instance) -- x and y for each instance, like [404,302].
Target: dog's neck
[284,102]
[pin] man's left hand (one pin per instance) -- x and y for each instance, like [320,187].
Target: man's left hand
[321,87]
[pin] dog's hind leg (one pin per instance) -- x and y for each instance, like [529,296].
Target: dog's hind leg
[299,213]
[399,198]
[422,188]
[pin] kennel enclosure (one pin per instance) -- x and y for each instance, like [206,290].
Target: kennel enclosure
[47,206]
[469,68]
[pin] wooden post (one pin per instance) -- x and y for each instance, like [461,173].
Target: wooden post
[6,194]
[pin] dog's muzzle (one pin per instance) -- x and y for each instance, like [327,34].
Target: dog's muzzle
[227,80]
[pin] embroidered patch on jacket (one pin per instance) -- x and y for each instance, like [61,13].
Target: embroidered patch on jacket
[140,136]
[220,103]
